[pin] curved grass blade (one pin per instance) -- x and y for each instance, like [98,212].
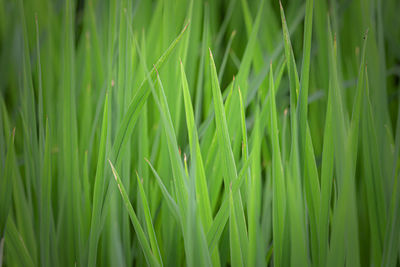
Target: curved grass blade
[218,225]
[16,246]
[175,160]
[133,111]
[230,172]
[201,182]
[170,201]
[150,228]
[222,127]
[306,157]
[148,253]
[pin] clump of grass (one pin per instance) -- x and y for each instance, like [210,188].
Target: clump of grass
[196,133]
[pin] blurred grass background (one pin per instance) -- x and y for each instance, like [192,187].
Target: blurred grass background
[239,133]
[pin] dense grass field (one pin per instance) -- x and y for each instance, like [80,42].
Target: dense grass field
[199,133]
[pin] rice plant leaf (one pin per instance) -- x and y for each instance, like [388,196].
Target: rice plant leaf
[306,157]
[249,52]
[279,203]
[170,201]
[201,182]
[45,199]
[297,226]
[305,69]
[292,165]
[265,106]
[6,184]
[326,180]
[236,253]
[358,102]
[220,220]
[15,243]
[250,187]
[144,243]
[22,206]
[374,179]
[230,172]
[149,224]
[180,184]
[225,58]
[336,253]
[134,108]
[175,160]
[203,52]
[98,190]
[391,242]
[290,63]
[222,127]
[344,221]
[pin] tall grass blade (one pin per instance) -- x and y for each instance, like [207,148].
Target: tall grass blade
[150,258]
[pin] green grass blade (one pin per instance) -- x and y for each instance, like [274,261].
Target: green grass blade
[144,243]
[291,64]
[45,205]
[225,58]
[358,101]
[201,182]
[17,247]
[326,181]
[230,172]
[279,202]
[391,242]
[175,160]
[134,108]
[344,221]
[222,127]
[307,157]
[98,191]
[6,184]
[236,252]
[305,70]
[170,201]
[377,205]
[150,229]
[222,216]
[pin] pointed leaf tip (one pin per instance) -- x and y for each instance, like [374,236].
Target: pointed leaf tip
[366,34]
